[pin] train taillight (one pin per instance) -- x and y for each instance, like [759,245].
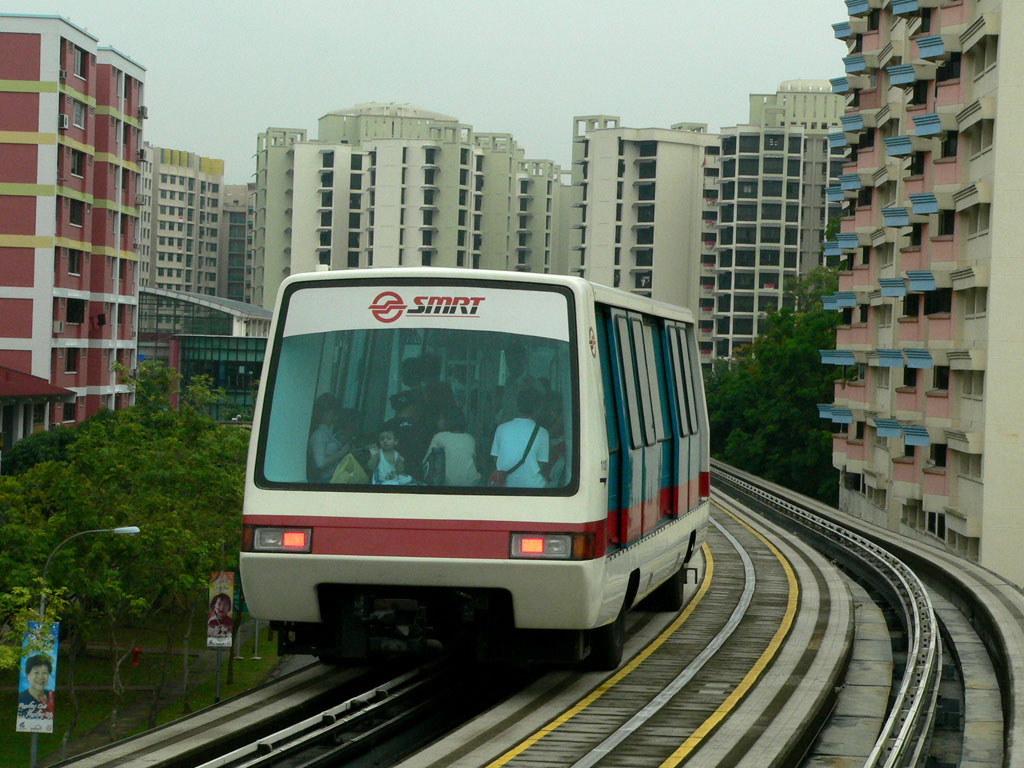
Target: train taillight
[704,480]
[552,546]
[262,539]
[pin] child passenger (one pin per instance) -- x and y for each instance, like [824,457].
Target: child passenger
[386,463]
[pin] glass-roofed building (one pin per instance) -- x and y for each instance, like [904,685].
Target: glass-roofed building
[197,334]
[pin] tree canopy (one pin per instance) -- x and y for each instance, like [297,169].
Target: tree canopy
[762,403]
[174,472]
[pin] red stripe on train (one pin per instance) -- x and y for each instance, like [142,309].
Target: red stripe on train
[390,537]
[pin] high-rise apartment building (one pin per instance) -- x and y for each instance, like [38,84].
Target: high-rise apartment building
[538,212]
[235,242]
[71,115]
[931,442]
[641,197]
[384,185]
[179,237]
[772,209]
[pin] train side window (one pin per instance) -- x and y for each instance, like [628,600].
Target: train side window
[629,382]
[691,407]
[656,378]
[641,365]
[610,408]
[699,417]
[682,384]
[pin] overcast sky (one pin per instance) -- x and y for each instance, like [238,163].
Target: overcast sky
[219,72]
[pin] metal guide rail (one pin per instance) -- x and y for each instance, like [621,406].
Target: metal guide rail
[907,730]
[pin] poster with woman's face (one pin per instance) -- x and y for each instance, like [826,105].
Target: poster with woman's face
[38,678]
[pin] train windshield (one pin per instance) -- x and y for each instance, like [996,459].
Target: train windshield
[422,388]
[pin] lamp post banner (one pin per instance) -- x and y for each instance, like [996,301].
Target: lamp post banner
[38,680]
[221,617]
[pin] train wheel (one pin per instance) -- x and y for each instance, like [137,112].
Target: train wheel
[606,644]
[671,595]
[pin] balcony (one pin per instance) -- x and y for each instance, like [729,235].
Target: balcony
[936,488]
[909,403]
[851,392]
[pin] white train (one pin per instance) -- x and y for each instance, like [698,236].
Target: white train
[502,461]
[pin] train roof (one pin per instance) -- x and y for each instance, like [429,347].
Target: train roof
[602,293]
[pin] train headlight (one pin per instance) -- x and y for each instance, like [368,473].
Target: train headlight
[552,546]
[260,539]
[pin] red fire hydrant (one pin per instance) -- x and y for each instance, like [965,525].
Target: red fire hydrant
[136,655]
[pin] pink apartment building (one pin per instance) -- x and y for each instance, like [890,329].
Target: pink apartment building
[931,435]
[71,115]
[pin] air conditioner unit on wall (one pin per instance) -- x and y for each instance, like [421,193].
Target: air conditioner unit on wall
[58,326]
[63,74]
[62,122]
[143,112]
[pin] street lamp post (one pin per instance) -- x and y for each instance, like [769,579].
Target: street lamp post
[127,530]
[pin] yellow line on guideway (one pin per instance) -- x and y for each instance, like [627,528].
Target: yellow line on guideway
[759,667]
[618,676]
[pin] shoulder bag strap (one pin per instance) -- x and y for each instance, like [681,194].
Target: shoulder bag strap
[529,445]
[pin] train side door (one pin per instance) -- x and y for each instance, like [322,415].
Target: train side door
[659,456]
[631,427]
[684,405]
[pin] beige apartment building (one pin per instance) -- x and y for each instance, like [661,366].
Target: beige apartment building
[394,185]
[643,209]
[772,209]
[930,438]
[179,230]
[235,242]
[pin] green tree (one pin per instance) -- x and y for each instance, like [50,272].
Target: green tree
[174,472]
[762,404]
[51,445]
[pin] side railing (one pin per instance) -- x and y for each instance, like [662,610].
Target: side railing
[906,734]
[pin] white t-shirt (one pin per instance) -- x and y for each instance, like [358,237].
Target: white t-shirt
[510,441]
[459,457]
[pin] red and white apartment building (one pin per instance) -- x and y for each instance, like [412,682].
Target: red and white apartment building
[932,436]
[71,115]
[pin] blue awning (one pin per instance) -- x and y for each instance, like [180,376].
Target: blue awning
[846,299]
[850,181]
[825,410]
[837,140]
[900,7]
[893,286]
[901,74]
[914,435]
[847,241]
[924,203]
[887,427]
[842,30]
[928,125]
[854,122]
[898,146]
[918,358]
[889,358]
[920,280]
[857,7]
[840,84]
[837,357]
[842,416]
[829,303]
[931,47]
[855,63]
[895,217]
[832,248]
[834,194]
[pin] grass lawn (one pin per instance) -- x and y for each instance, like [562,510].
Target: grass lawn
[93,669]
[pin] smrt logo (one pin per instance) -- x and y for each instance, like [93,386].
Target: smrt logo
[389,306]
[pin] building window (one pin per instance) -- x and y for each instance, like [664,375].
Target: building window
[81,63]
[74,262]
[68,412]
[71,360]
[78,115]
[76,212]
[77,163]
